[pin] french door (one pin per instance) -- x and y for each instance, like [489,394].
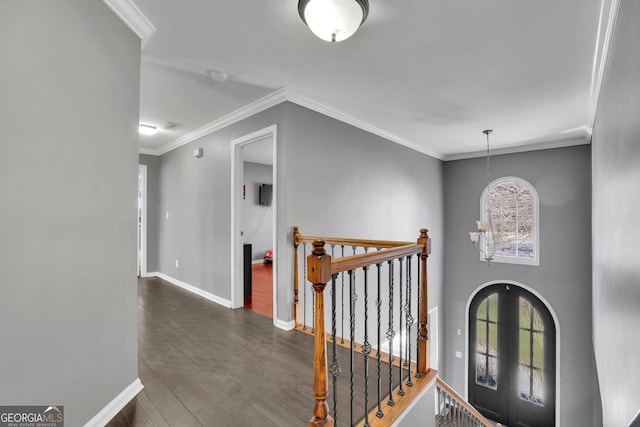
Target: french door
[512,357]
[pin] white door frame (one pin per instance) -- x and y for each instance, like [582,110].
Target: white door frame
[237,169]
[142,233]
[434,347]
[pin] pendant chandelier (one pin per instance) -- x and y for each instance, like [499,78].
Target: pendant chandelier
[333,20]
[489,235]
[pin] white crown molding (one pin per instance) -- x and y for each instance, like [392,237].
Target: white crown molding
[133,17]
[601,56]
[338,115]
[248,110]
[148,150]
[567,142]
[116,405]
[194,290]
[275,98]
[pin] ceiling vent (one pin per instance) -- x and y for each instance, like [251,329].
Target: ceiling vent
[171,126]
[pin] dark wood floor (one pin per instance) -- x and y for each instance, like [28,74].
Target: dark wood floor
[261,299]
[205,365]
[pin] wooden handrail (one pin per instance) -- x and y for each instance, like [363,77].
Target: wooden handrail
[382,244]
[451,392]
[353,262]
[298,238]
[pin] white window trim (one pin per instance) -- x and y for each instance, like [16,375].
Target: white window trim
[535,261]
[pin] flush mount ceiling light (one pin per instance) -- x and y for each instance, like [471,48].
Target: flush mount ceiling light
[147,129]
[333,20]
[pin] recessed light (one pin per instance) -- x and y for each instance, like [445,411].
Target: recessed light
[147,129]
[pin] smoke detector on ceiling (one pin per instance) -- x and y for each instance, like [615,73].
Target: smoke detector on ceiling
[218,76]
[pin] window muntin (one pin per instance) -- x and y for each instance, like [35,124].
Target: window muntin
[513,202]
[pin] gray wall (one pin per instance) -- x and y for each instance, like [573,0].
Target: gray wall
[562,179]
[197,194]
[333,179]
[257,219]
[153,208]
[616,233]
[342,181]
[70,83]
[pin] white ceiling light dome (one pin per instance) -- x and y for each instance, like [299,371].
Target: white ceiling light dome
[333,20]
[145,129]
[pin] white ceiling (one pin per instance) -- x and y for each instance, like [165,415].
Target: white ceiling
[430,74]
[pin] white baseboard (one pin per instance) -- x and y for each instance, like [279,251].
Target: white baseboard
[116,405]
[147,274]
[287,326]
[204,294]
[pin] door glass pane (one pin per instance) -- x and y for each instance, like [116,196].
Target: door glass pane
[538,350]
[492,376]
[524,382]
[481,336]
[493,307]
[525,347]
[538,387]
[493,339]
[525,313]
[482,310]
[538,325]
[481,369]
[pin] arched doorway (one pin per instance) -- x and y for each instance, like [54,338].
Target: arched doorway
[512,357]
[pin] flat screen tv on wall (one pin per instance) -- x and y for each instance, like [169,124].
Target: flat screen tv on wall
[265,195]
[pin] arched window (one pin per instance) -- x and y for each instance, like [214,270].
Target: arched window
[513,203]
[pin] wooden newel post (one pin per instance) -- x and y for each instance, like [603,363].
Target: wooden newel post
[296,301]
[423,345]
[319,274]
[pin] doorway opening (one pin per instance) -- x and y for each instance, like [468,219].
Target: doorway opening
[254,219]
[142,221]
[512,356]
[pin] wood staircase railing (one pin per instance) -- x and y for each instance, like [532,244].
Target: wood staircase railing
[453,410]
[321,269]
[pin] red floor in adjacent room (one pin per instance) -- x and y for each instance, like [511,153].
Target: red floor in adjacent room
[261,299]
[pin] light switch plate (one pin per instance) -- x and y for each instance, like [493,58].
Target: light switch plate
[459,354]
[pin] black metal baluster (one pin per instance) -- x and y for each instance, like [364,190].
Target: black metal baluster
[366,346]
[335,369]
[390,335]
[407,300]
[439,407]
[440,403]
[400,283]
[352,325]
[379,413]
[342,300]
[409,318]
[304,288]
[418,374]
